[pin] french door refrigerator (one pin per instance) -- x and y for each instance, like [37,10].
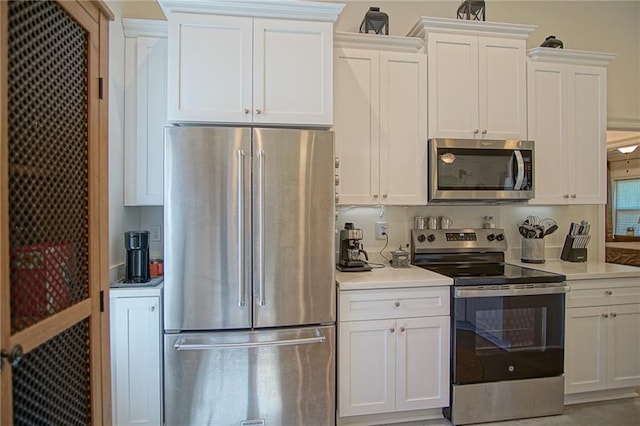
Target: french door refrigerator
[249,312]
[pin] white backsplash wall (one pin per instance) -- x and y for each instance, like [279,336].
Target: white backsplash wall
[400,221]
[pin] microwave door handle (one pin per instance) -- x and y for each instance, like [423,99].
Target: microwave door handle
[520,168]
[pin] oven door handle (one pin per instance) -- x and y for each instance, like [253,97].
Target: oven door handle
[469,292]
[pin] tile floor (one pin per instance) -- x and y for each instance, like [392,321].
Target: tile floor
[621,412]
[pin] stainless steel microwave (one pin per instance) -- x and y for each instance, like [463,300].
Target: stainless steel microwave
[480,170]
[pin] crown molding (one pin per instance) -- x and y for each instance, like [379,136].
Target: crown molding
[282,9]
[377,42]
[144,28]
[427,24]
[568,56]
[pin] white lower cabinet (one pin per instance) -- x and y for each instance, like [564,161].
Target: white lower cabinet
[602,348]
[136,355]
[398,361]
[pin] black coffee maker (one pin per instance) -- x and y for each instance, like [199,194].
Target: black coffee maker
[351,249]
[137,267]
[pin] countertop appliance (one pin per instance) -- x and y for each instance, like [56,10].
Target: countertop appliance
[137,266]
[480,170]
[350,242]
[249,314]
[507,325]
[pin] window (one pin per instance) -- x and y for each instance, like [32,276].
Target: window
[627,205]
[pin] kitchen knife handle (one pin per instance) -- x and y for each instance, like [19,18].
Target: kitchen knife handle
[241,257]
[261,286]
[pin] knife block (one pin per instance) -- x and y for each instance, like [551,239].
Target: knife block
[571,254]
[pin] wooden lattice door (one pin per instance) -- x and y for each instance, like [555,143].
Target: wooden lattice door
[53,213]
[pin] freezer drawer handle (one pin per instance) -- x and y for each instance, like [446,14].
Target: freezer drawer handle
[241,293]
[288,342]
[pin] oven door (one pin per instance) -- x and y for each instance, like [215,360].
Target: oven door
[507,332]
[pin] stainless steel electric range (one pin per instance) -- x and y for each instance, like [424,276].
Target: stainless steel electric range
[507,327]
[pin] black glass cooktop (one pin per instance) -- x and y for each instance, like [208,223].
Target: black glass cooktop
[492,273]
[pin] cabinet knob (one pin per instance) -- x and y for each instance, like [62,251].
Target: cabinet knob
[337,197]
[573,195]
[337,180]
[258,111]
[152,309]
[397,304]
[337,166]
[608,292]
[375,195]
[247,110]
[384,195]
[566,195]
[613,315]
[392,330]
[401,329]
[484,132]
[605,315]
[475,132]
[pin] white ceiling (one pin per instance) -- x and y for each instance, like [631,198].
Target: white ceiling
[620,138]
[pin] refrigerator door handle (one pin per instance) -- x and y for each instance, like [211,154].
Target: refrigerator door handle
[261,285]
[181,346]
[241,291]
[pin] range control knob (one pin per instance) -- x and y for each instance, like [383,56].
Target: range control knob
[431,238]
[421,238]
[500,237]
[491,237]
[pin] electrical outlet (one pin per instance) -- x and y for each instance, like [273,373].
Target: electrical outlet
[155,232]
[381,230]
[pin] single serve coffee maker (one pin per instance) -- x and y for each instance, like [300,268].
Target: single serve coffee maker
[351,249]
[137,267]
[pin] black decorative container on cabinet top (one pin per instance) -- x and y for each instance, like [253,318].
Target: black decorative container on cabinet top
[472,10]
[375,22]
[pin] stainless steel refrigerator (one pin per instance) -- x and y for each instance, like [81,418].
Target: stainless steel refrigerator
[249,312]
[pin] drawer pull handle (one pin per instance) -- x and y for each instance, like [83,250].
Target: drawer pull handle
[397,304]
[608,292]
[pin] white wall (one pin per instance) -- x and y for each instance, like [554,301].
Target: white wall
[400,221]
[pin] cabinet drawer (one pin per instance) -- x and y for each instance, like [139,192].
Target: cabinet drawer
[397,303]
[603,296]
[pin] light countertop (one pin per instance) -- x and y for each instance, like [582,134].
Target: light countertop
[389,277]
[584,270]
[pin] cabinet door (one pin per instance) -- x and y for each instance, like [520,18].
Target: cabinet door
[210,68]
[453,85]
[135,358]
[366,367]
[585,358]
[587,120]
[547,126]
[145,118]
[502,86]
[623,344]
[293,72]
[422,360]
[357,130]
[403,128]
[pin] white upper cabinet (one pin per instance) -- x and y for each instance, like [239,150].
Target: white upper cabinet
[251,62]
[145,111]
[567,119]
[380,126]
[477,78]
